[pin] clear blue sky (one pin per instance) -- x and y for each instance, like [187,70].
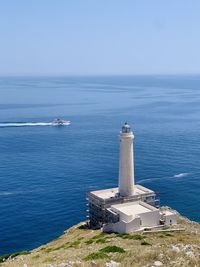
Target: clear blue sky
[99,37]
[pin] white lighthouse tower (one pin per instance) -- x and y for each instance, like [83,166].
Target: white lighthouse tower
[129,207]
[126,162]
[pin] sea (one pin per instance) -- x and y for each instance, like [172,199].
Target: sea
[46,171]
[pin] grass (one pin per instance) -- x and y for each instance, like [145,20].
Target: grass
[145,243]
[140,249]
[134,237]
[13,255]
[166,227]
[112,249]
[36,256]
[56,248]
[74,244]
[103,253]
[164,235]
[99,239]
[96,255]
[102,241]
[90,241]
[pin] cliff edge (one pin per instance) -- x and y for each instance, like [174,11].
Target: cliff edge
[177,245]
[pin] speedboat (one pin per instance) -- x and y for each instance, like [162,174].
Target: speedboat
[60,122]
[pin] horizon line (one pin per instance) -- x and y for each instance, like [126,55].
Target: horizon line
[95,75]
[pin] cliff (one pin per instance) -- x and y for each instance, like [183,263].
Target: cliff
[80,246]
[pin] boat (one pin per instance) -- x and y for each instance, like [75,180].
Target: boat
[60,122]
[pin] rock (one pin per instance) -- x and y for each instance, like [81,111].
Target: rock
[187,247]
[157,263]
[25,265]
[175,249]
[112,264]
[189,254]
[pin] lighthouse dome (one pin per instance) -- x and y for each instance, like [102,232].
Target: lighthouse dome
[126,128]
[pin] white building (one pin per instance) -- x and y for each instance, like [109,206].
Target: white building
[129,207]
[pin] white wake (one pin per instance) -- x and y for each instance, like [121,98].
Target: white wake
[23,124]
[180,175]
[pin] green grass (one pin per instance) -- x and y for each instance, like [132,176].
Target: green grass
[90,241]
[166,227]
[96,255]
[74,244]
[128,236]
[162,236]
[13,255]
[103,253]
[49,250]
[36,256]
[112,249]
[102,241]
[165,235]
[99,236]
[168,234]
[99,239]
[66,245]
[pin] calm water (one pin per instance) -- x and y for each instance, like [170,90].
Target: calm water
[46,171]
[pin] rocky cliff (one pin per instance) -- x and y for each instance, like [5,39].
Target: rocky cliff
[80,246]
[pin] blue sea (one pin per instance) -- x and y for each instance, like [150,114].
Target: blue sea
[45,171]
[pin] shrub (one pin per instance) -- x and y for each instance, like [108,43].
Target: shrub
[144,243]
[96,255]
[168,234]
[112,249]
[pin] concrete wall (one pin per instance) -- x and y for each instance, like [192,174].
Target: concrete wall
[151,218]
[170,219]
[123,227]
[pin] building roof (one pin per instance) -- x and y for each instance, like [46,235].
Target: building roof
[112,193]
[133,208]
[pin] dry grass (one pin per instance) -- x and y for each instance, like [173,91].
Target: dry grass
[77,244]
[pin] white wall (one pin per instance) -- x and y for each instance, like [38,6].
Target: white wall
[151,218]
[172,217]
[123,227]
[126,165]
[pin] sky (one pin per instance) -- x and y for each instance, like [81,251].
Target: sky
[99,37]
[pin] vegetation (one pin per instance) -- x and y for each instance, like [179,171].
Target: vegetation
[103,253]
[96,255]
[13,255]
[129,236]
[145,243]
[112,249]
[86,248]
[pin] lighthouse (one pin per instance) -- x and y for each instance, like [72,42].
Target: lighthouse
[126,162]
[129,207]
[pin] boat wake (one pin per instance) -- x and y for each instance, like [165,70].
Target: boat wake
[179,175]
[24,124]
